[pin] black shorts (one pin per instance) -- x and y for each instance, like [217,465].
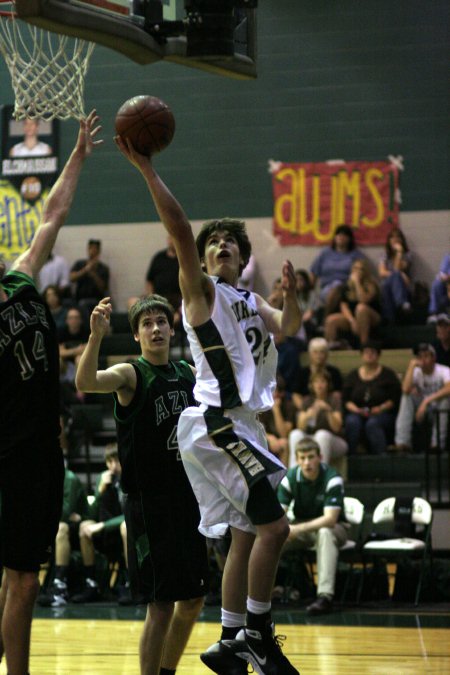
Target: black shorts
[31,491]
[167,556]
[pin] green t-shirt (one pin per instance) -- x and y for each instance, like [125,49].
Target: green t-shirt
[74,498]
[309,497]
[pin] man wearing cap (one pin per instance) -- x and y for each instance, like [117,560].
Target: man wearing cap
[426,388]
[91,279]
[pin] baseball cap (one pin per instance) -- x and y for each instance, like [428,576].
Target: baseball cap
[443,320]
[425,347]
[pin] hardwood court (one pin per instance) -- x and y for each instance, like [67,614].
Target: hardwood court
[110,647]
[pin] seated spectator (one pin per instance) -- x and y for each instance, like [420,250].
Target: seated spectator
[318,355]
[320,418]
[439,296]
[315,492]
[91,279]
[309,304]
[395,273]
[72,343]
[75,509]
[442,341]
[105,531]
[279,422]
[426,389]
[371,396]
[359,310]
[52,296]
[333,265]
[163,275]
[55,272]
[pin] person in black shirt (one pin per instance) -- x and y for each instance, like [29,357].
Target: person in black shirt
[31,463]
[371,396]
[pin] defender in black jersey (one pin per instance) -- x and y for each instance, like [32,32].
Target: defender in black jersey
[31,465]
[167,560]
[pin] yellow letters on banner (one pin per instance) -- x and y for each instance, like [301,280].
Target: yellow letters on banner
[291,208]
[19,220]
[371,176]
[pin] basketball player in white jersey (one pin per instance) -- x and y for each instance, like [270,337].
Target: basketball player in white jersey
[222,443]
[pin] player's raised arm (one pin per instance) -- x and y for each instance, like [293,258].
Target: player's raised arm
[120,378]
[288,320]
[59,201]
[193,281]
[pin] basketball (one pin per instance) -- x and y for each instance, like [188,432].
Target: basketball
[147,122]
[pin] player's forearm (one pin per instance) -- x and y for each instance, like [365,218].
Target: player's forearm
[291,315]
[169,209]
[86,377]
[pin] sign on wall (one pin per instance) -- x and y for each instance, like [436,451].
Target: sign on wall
[312,199]
[29,167]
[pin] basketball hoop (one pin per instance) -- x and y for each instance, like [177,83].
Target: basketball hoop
[47,69]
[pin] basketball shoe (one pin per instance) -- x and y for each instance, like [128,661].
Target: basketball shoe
[262,651]
[221,658]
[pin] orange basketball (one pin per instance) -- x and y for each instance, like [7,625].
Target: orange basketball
[147,122]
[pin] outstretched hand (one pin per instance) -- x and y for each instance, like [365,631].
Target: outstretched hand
[133,156]
[89,128]
[100,318]
[288,281]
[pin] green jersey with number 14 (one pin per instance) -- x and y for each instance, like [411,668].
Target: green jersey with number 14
[29,367]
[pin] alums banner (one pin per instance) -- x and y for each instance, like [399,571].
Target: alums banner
[312,199]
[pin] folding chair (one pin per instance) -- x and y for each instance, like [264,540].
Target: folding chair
[350,553]
[410,522]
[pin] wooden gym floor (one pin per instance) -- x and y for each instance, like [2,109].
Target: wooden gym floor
[102,639]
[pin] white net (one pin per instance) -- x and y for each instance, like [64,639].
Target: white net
[47,70]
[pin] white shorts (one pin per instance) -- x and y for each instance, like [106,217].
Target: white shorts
[224,453]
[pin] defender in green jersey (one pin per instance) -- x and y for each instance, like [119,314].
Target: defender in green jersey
[31,464]
[167,560]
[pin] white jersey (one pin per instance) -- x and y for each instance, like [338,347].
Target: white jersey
[233,352]
[39,150]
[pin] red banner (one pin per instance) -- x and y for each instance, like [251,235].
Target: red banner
[312,199]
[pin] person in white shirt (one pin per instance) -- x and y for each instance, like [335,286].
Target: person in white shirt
[426,388]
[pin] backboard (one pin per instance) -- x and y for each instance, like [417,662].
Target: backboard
[219,37]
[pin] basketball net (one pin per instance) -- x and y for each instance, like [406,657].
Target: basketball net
[47,69]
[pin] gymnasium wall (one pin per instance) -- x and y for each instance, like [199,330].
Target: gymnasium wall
[336,80]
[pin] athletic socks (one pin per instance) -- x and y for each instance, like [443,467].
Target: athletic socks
[232,622]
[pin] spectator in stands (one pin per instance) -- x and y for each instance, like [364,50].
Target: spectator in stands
[318,355]
[52,296]
[72,343]
[105,531]
[55,272]
[426,389]
[439,296]
[316,493]
[279,422]
[442,342]
[359,310]
[320,418]
[91,278]
[371,396]
[248,274]
[394,270]
[333,265]
[162,275]
[75,509]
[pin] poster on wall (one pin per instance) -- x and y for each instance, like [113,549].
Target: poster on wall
[29,167]
[312,199]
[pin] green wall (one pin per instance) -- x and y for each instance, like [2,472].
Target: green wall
[351,80]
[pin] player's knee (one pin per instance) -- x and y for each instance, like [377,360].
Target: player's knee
[63,531]
[189,609]
[23,585]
